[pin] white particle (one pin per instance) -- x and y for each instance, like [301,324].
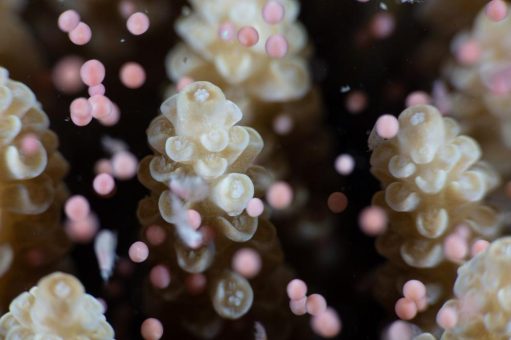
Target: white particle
[383,6]
[201,95]
[237,190]
[345,88]
[417,118]
[62,290]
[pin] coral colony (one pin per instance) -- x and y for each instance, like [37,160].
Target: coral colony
[183,184]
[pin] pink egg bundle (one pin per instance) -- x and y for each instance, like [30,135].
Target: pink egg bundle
[92,72]
[79,32]
[82,224]
[414,300]
[325,322]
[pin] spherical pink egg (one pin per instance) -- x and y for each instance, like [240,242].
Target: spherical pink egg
[138,23]
[132,75]
[81,35]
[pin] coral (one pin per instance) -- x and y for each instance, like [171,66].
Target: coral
[268,90]
[210,55]
[483,295]
[203,161]
[433,184]
[57,308]
[481,89]
[196,137]
[31,187]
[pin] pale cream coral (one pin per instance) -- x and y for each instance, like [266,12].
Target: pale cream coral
[483,296]
[199,148]
[31,187]
[206,143]
[204,161]
[433,183]
[482,88]
[58,308]
[209,56]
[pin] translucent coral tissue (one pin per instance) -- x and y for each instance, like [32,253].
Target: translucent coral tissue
[57,308]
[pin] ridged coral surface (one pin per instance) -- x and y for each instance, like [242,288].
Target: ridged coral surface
[203,161]
[483,296]
[58,308]
[480,98]
[433,183]
[211,56]
[31,187]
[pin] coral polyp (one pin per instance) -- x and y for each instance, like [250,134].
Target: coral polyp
[255,169]
[433,184]
[57,308]
[31,188]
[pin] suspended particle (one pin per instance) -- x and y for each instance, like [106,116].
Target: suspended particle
[105,246]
